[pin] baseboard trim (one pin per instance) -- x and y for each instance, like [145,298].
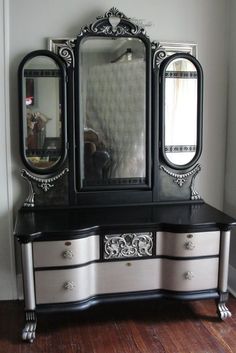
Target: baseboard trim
[232,280]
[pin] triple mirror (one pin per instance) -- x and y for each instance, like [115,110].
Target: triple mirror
[129,109]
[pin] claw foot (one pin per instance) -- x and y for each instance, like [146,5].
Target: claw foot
[28,332]
[223,311]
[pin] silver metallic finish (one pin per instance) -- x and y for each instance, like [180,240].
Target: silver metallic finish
[173,48]
[28,332]
[179,148]
[69,285]
[223,311]
[28,276]
[68,254]
[43,183]
[66,52]
[189,275]
[159,54]
[194,193]
[113,25]
[64,48]
[29,202]
[224,261]
[180,179]
[189,245]
[128,245]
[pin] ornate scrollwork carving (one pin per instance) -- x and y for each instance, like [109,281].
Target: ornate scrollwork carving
[128,245]
[43,183]
[29,202]
[113,12]
[159,54]
[114,23]
[66,52]
[180,179]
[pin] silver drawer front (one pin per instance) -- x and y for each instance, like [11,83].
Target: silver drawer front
[190,275]
[187,244]
[68,285]
[66,252]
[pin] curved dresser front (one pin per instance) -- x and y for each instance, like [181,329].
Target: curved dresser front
[72,259]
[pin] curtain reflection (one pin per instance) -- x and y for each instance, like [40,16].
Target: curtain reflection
[181,111]
[116,111]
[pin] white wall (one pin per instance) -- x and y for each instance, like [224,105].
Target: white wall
[230,178]
[200,21]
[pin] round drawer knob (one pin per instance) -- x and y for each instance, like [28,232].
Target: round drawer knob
[189,275]
[189,245]
[69,285]
[67,254]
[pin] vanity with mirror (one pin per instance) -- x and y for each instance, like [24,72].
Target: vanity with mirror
[111,133]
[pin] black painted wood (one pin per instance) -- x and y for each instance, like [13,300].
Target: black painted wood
[63,75]
[53,224]
[127,297]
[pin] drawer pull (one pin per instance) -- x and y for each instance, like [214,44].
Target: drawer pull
[189,275]
[189,245]
[69,285]
[189,235]
[68,254]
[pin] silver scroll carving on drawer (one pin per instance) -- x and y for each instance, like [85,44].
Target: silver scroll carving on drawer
[128,245]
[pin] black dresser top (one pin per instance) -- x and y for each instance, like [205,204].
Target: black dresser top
[70,222]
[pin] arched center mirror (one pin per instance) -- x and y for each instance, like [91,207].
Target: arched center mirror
[113,107]
[42,91]
[181,110]
[113,111]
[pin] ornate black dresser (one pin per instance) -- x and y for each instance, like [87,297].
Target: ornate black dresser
[111,132]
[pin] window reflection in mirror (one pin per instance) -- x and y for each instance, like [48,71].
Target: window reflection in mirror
[42,112]
[180,111]
[113,111]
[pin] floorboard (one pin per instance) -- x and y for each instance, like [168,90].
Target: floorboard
[143,327]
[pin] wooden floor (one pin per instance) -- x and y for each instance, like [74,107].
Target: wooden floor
[143,327]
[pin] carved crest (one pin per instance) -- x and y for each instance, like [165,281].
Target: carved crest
[113,23]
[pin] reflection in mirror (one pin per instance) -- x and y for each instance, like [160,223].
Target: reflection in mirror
[42,112]
[113,111]
[180,138]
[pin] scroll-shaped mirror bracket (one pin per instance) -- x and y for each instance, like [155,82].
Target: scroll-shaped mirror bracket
[159,54]
[42,100]
[180,117]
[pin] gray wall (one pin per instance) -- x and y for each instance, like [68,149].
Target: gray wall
[230,177]
[205,22]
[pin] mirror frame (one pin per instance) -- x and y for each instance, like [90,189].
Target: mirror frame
[63,100]
[163,68]
[103,28]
